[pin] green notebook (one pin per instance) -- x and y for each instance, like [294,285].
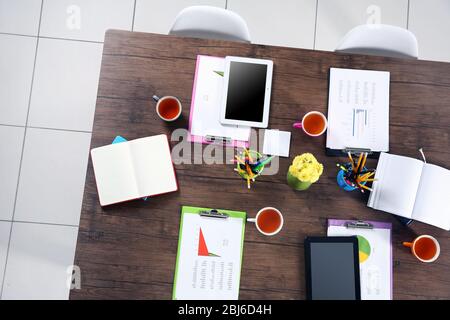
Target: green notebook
[209,257]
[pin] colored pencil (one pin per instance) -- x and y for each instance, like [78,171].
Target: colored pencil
[363,186]
[351,160]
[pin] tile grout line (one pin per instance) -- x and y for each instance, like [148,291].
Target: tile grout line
[56,129]
[407,15]
[17,34]
[42,223]
[21,155]
[68,39]
[134,15]
[315,25]
[45,37]
[43,128]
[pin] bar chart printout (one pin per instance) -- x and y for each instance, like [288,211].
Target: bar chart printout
[358,110]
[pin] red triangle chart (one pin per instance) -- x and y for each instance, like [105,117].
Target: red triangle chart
[202,248]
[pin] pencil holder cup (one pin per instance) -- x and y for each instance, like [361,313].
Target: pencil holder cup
[342,183]
[243,174]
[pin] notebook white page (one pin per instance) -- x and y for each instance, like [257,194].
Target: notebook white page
[207,99]
[114,173]
[397,183]
[433,197]
[152,165]
[358,109]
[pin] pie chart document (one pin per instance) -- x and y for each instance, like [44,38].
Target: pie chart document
[209,256]
[375,256]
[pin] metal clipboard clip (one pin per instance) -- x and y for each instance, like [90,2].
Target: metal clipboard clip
[213,213]
[217,139]
[359,224]
[357,150]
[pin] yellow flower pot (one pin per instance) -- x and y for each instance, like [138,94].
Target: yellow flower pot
[296,183]
[304,171]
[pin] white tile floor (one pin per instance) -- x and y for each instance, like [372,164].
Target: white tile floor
[65,84]
[16,64]
[50,52]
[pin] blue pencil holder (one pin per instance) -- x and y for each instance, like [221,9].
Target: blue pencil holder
[342,183]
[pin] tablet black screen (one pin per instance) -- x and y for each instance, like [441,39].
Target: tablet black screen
[333,270]
[246,91]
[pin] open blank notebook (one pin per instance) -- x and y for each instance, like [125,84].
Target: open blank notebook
[133,169]
[413,189]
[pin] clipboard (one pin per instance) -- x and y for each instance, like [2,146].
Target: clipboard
[209,256]
[358,112]
[375,254]
[343,153]
[204,117]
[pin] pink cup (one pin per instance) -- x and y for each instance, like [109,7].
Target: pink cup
[314,119]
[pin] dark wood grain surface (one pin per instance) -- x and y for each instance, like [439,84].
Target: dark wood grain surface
[128,251]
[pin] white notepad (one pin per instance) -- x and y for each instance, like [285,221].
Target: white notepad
[413,189]
[133,169]
[277,143]
[358,110]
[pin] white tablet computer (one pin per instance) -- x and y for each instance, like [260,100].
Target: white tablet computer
[246,92]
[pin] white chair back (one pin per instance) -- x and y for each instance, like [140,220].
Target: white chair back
[210,23]
[381,40]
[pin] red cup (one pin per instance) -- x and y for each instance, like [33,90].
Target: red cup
[425,248]
[314,123]
[268,221]
[168,108]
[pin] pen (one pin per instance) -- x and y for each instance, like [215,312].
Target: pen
[264,162]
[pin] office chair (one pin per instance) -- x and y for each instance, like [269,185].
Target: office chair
[210,23]
[380,40]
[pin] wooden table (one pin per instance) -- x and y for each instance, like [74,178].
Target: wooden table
[128,250]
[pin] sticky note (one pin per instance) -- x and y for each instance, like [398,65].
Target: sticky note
[277,143]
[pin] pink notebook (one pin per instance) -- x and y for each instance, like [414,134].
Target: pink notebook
[204,124]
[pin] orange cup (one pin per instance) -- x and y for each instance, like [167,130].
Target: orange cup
[425,248]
